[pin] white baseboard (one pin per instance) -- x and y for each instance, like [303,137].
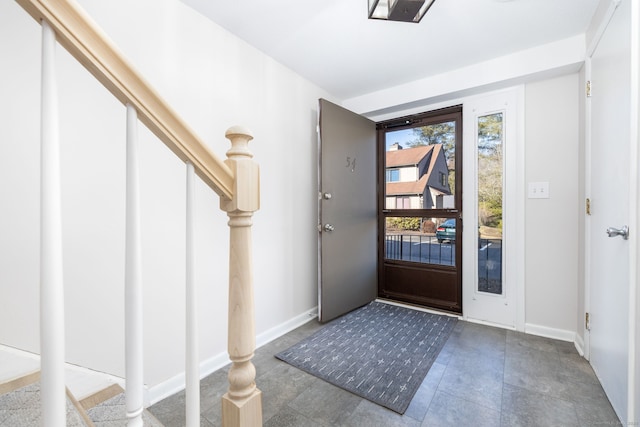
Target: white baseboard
[579,343]
[177,383]
[288,326]
[545,331]
[207,367]
[542,331]
[486,323]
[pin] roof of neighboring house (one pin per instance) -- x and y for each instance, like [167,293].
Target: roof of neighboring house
[434,157]
[408,156]
[407,188]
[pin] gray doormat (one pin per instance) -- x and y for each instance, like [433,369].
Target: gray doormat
[380,352]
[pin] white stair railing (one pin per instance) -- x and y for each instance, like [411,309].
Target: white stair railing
[236,181]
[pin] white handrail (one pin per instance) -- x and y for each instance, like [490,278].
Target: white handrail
[51,284]
[83,39]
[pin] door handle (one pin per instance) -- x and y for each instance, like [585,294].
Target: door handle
[624,232]
[329,227]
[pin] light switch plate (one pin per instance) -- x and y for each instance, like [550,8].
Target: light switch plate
[538,190]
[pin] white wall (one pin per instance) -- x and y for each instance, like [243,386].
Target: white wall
[552,59]
[214,80]
[408,174]
[552,227]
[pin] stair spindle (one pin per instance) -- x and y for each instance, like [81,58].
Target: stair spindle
[52,336]
[192,391]
[133,280]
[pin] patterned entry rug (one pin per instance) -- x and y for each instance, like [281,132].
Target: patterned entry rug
[380,352]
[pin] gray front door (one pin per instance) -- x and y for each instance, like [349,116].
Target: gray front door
[347,211]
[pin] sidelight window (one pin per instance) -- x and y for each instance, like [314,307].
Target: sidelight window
[490,204]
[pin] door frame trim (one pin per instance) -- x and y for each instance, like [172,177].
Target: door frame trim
[606,16]
[634,210]
[634,207]
[514,208]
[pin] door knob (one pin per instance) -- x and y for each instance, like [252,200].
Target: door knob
[329,227]
[624,232]
[327,196]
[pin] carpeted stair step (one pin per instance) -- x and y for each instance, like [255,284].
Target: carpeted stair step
[20,404]
[107,408]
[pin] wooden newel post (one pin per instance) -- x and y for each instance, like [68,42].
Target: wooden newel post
[242,404]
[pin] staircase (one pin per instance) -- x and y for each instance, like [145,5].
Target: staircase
[21,406]
[92,398]
[37,396]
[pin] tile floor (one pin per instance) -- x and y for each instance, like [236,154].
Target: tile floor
[483,376]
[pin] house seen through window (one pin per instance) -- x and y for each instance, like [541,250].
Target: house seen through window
[419,169]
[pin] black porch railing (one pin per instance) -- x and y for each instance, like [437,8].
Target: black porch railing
[426,249]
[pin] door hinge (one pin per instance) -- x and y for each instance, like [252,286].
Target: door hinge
[588,88]
[588,206]
[587,323]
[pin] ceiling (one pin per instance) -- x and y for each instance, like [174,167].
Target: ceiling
[334,45]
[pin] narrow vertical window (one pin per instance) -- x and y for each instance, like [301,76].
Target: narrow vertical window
[490,204]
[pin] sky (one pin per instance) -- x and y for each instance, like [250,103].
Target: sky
[403,136]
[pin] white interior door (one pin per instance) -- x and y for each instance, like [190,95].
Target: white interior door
[347,209]
[609,194]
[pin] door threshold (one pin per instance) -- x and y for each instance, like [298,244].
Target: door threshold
[418,308]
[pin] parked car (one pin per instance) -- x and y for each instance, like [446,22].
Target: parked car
[446,231]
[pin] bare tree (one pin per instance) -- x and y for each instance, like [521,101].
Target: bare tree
[490,176]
